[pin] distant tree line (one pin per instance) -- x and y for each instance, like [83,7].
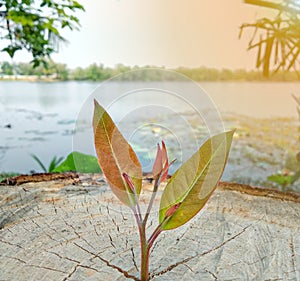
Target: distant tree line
[98,72]
[58,71]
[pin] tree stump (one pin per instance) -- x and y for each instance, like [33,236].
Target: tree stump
[76,229]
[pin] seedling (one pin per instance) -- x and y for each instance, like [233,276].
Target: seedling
[75,162]
[186,192]
[53,164]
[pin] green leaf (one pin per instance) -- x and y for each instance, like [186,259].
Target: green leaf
[54,163]
[79,162]
[280,179]
[115,155]
[77,5]
[11,50]
[193,183]
[39,162]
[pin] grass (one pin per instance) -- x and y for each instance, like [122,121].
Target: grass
[4,176]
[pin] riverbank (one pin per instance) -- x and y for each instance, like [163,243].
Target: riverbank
[30,78]
[261,147]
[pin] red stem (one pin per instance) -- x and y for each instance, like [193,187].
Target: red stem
[144,274]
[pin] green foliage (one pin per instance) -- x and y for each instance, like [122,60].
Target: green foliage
[285,179]
[194,182]
[74,162]
[7,68]
[79,162]
[277,40]
[53,164]
[97,72]
[186,192]
[35,25]
[4,176]
[57,71]
[282,179]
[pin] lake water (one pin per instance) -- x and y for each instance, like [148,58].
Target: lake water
[39,118]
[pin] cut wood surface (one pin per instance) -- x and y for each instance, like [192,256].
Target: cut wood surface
[75,229]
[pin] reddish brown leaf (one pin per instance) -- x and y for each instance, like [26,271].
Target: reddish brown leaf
[115,155]
[157,166]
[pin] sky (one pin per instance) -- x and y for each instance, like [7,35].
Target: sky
[168,33]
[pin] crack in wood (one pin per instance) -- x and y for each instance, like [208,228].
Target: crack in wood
[293,253]
[96,231]
[45,267]
[117,226]
[188,267]
[63,257]
[17,259]
[111,241]
[124,272]
[211,273]
[46,222]
[258,261]
[71,273]
[54,205]
[75,269]
[171,267]
[34,265]
[11,216]
[180,237]
[79,235]
[133,259]
[46,233]
[11,244]
[119,269]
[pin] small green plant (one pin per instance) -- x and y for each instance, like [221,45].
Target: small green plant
[282,178]
[53,164]
[291,173]
[79,162]
[4,176]
[84,163]
[186,192]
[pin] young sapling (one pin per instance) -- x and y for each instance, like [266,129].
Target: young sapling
[186,191]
